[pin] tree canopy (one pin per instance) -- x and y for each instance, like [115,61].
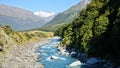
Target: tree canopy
[96,31]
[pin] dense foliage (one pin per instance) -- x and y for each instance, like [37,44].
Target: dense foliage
[96,31]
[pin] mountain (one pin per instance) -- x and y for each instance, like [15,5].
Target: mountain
[66,16]
[18,18]
[47,16]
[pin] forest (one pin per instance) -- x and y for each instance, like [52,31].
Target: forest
[96,31]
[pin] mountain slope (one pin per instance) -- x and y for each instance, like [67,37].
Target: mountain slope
[9,37]
[66,16]
[19,19]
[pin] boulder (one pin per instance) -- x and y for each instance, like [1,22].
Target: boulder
[76,63]
[73,54]
[54,57]
[82,57]
[92,61]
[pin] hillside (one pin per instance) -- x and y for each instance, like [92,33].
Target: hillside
[66,16]
[17,49]
[18,18]
[9,37]
[96,31]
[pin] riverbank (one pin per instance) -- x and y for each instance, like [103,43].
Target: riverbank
[91,62]
[22,56]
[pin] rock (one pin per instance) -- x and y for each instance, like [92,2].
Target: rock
[78,55]
[64,52]
[76,63]
[54,57]
[84,55]
[109,64]
[1,48]
[103,61]
[42,51]
[73,54]
[92,61]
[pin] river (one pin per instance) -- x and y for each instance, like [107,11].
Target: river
[49,50]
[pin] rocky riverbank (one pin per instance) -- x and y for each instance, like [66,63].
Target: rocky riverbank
[22,56]
[84,59]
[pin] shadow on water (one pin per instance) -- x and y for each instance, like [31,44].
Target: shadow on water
[92,66]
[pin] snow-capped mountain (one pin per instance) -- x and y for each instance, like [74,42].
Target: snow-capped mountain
[19,19]
[47,16]
[44,14]
[66,17]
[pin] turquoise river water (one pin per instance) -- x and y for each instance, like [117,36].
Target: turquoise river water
[49,49]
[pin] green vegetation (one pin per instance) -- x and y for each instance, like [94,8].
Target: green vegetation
[65,17]
[9,37]
[51,28]
[96,31]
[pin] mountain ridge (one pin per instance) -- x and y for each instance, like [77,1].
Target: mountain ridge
[18,18]
[65,17]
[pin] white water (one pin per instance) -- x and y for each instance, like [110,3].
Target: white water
[58,61]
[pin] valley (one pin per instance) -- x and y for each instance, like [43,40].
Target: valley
[85,35]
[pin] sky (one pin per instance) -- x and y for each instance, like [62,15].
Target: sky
[41,5]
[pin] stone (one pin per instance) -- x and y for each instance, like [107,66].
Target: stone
[92,61]
[73,54]
[76,63]
[54,57]
[108,64]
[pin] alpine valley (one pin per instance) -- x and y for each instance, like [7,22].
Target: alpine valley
[20,19]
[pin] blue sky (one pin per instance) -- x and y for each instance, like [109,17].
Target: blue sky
[43,5]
